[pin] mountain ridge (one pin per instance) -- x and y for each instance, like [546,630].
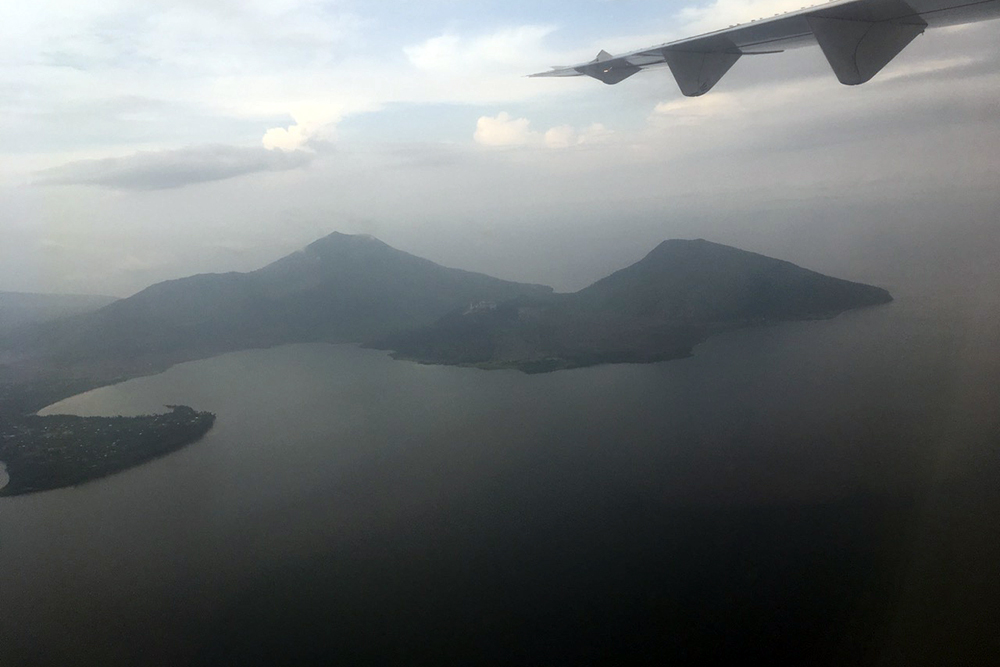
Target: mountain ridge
[18,309]
[346,288]
[340,288]
[656,309]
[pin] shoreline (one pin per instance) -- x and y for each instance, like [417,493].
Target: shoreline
[57,451]
[4,477]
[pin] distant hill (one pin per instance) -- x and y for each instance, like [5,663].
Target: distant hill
[341,288]
[21,308]
[345,288]
[658,308]
[709,282]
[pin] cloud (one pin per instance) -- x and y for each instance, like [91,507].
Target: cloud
[697,19]
[565,136]
[437,53]
[477,69]
[505,48]
[503,131]
[230,72]
[302,135]
[715,107]
[91,81]
[157,170]
[561,136]
[288,138]
[810,111]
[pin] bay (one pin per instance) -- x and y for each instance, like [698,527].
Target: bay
[785,482]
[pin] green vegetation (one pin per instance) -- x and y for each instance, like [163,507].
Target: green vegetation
[51,452]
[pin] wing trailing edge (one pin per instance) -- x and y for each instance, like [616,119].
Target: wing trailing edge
[857,37]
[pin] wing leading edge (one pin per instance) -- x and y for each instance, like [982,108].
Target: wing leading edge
[858,38]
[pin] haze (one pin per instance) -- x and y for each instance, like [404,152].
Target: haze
[808,492]
[146,143]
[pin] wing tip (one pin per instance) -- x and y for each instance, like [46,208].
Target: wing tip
[556,70]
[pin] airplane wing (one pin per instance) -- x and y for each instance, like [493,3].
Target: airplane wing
[858,38]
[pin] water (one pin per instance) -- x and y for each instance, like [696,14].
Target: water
[787,492]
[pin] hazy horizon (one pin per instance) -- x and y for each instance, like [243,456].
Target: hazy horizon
[146,144]
[805,491]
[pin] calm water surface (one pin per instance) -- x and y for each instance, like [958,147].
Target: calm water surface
[798,493]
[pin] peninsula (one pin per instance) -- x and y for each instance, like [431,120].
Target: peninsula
[42,453]
[345,288]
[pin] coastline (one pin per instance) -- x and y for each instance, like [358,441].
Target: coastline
[56,451]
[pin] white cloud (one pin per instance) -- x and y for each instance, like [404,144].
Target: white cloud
[561,137]
[289,138]
[778,127]
[487,68]
[503,49]
[310,127]
[262,61]
[437,53]
[566,136]
[502,130]
[255,62]
[697,19]
[693,111]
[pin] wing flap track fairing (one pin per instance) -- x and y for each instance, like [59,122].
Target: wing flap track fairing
[858,38]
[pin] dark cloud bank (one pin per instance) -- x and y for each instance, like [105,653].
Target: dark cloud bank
[157,170]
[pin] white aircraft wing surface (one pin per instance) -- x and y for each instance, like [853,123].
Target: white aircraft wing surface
[858,38]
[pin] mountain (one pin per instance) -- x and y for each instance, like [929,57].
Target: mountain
[21,308]
[341,288]
[345,288]
[709,282]
[656,309]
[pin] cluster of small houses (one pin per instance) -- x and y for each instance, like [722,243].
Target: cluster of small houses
[480,306]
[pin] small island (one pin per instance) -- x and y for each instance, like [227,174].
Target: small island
[49,452]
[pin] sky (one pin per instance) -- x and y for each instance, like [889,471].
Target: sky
[141,142]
